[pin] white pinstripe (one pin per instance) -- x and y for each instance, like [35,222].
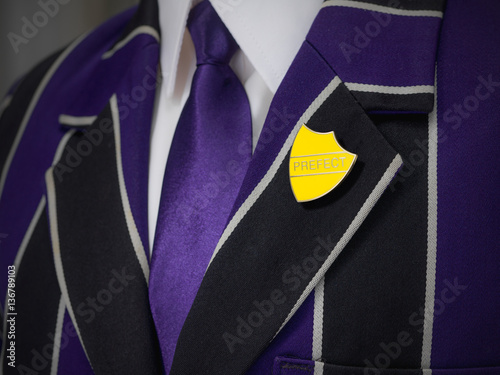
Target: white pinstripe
[5,103]
[54,235]
[398,90]
[54,366]
[129,218]
[431,239]
[319,296]
[77,120]
[383,9]
[318,368]
[147,30]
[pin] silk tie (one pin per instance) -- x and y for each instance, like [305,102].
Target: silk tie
[208,158]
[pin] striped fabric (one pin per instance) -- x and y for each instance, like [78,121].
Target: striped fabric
[395,272]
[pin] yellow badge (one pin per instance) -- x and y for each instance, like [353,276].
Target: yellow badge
[317,164]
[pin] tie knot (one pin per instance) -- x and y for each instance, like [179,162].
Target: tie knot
[212,40]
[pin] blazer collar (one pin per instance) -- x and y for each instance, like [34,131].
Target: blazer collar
[385,54]
[269,33]
[385,51]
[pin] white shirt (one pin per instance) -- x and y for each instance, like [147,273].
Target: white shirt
[269,33]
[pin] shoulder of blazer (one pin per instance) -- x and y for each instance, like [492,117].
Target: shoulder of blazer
[78,81]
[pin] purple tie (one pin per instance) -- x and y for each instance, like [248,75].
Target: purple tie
[208,159]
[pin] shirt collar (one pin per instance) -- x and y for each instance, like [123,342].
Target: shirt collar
[269,32]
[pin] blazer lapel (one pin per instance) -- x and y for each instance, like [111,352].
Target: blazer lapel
[97,203]
[275,250]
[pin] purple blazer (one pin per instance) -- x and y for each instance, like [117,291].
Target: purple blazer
[395,272]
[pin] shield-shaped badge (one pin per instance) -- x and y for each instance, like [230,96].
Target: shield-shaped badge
[317,164]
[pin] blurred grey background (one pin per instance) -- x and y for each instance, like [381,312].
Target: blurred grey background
[64,24]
